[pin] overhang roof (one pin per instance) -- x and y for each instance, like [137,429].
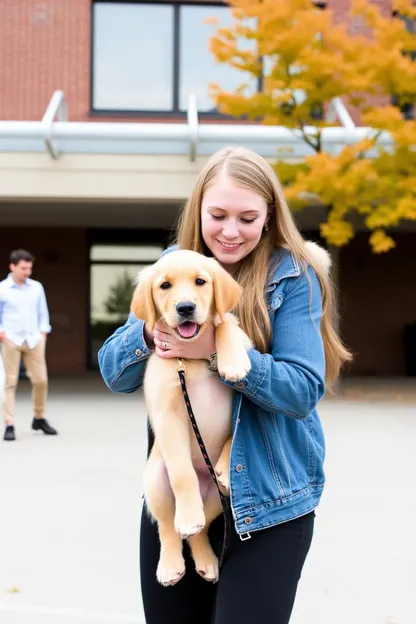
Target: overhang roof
[57,135]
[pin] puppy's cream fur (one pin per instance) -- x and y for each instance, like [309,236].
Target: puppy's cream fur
[178,489]
[320,255]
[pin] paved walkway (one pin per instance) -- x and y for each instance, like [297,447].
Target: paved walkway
[70,507]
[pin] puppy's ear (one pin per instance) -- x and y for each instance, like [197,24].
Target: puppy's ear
[142,304]
[227,291]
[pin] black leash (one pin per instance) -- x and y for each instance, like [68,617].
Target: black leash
[224,500]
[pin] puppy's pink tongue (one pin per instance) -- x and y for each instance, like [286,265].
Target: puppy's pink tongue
[187,329]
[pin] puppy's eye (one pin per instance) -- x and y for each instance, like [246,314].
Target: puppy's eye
[199,281]
[165,285]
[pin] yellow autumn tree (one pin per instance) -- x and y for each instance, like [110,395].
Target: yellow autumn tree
[294,60]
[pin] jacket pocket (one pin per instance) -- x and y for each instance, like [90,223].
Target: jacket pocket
[269,442]
[291,451]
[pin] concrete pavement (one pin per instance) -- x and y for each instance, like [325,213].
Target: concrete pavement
[70,509]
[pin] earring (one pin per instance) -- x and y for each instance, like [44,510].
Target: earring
[266,228]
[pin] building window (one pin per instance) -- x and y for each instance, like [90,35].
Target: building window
[132,52]
[148,58]
[197,65]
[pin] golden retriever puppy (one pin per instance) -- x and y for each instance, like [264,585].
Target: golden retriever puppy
[189,292]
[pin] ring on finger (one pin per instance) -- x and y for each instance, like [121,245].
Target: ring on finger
[165,344]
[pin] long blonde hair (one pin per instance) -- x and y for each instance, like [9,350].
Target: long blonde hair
[249,170]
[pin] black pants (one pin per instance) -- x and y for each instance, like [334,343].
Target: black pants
[258,580]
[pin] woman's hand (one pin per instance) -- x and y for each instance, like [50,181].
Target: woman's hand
[168,345]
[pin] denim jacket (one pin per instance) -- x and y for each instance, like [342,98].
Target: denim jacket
[278,444]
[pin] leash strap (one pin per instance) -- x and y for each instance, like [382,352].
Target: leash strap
[223,499]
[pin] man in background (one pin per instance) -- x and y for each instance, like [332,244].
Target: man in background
[24,325]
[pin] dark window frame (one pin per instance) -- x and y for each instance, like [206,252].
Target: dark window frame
[175,112]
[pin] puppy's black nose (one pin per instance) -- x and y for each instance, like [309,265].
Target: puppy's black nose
[185,308]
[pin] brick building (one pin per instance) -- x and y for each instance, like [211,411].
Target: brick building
[95,194]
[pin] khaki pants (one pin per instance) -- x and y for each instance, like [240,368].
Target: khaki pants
[35,364]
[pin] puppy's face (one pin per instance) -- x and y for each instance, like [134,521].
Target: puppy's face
[186,290]
[184,299]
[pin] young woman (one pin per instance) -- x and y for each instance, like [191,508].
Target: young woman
[237,213]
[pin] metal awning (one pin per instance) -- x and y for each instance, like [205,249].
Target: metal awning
[57,135]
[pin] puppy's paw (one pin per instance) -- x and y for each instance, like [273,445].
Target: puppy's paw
[236,368]
[189,521]
[207,566]
[223,476]
[170,570]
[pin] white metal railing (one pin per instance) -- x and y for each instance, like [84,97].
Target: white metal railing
[337,110]
[56,108]
[192,138]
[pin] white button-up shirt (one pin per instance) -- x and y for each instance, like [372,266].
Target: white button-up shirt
[24,312]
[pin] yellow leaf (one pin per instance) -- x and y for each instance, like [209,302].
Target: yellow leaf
[381,242]
[337,232]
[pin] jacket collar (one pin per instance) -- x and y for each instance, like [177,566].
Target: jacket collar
[284,264]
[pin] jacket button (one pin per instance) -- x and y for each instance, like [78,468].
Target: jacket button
[138,352]
[239,467]
[248,520]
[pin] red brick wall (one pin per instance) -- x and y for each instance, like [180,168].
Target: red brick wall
[61,266]
[44,46]
[378,298]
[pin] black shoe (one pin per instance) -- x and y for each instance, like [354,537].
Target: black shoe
[9,434]
[41,424]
